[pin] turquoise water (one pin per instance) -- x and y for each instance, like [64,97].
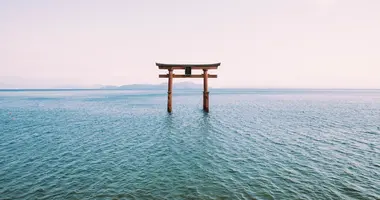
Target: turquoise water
[254,144]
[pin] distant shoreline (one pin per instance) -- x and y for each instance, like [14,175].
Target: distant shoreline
[161,89]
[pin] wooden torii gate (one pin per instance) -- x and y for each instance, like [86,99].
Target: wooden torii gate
[188,68]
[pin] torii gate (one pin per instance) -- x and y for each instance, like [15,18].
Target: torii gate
[188,68]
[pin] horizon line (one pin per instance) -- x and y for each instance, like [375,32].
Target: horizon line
[213,88]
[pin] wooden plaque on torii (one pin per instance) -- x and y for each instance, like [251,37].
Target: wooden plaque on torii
[188,74]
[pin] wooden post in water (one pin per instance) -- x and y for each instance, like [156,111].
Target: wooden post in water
[170,90]
[205,90]
[188,68]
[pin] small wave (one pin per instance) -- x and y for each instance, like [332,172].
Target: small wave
[372,132]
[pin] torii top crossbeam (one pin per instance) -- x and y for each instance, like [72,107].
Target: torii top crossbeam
[188,68]
[183,66]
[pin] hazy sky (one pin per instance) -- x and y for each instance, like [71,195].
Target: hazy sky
[260,43]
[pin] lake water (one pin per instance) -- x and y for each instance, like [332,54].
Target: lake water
[254,144]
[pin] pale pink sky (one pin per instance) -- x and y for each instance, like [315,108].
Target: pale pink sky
[271,43]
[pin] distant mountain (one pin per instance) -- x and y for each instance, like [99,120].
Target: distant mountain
[179,85]
[77,87]
[186,85]
[109,87]
[162,86]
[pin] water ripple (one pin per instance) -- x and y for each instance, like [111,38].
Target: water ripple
[252,145]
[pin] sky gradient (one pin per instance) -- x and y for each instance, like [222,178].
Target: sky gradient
[272,43]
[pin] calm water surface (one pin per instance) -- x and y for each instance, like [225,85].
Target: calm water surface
[254,144]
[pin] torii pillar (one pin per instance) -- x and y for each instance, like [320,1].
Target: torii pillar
[188,68]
